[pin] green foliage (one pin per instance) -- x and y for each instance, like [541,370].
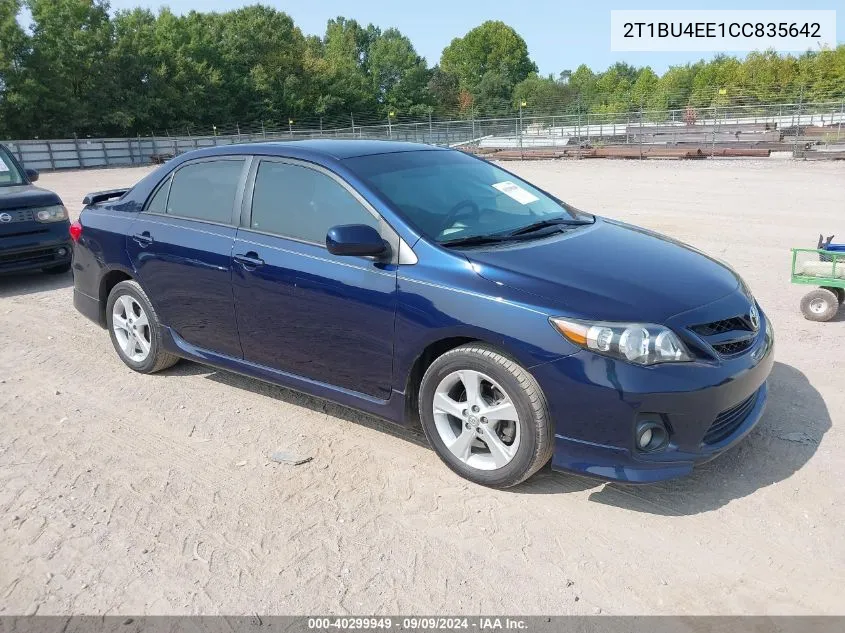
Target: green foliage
[488,62]
[544,94]
[444,90]
[398,76]
[65,66]
[80,70]
[12,57]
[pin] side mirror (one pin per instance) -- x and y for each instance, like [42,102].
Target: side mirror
[32,175]
[355,239]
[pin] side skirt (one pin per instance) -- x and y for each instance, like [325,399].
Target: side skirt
[392,409]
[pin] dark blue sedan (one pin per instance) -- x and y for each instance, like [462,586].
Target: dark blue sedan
[423,284]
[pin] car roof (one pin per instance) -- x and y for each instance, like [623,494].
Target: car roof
[337,149]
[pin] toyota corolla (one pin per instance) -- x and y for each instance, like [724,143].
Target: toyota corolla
[423,284]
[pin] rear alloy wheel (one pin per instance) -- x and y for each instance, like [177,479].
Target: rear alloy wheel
[135,330]
[485,416]
[820,304]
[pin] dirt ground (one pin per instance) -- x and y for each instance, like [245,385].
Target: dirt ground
[131,494]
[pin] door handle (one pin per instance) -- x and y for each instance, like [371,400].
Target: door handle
[143,239]
[249,260]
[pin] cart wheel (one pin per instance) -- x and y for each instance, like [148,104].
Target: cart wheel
[839,292]
[820,305]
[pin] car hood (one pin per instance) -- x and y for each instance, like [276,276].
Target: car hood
[608,271]
[24,196]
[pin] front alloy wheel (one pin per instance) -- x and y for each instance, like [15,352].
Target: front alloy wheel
[485,416]
[476,420]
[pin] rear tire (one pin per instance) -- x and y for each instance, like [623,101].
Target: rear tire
[57,270]
[502,448]
[820,304]
[135,329]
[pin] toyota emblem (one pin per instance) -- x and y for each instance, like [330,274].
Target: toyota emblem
[5,217]
[754,317]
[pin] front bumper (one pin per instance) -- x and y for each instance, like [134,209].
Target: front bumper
[35,255]
[597,402]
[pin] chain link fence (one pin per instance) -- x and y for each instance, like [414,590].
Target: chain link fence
[798,128]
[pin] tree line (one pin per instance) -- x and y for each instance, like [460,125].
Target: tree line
[78,69]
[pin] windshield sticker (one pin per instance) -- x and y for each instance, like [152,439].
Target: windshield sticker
[512,190]
[3,165]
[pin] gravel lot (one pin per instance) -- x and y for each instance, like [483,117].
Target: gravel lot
[130,494]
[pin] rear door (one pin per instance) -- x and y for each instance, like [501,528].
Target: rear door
[181,247]
[301,309]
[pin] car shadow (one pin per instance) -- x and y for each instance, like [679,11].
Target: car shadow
[790,432]
[18,284]
[412,434]
[792,428]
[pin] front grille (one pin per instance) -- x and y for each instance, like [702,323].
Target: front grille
[19,215]
[720,327]
[734,347]
[729,420]
[20,233]
[728,337]
[42,255]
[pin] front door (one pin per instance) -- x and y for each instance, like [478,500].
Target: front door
[181,247]
[300,309]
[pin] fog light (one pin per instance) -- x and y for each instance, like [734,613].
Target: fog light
[652,436]
[62,252]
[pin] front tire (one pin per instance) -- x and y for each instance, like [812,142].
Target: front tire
[820,304]
[485,416]
[135,329]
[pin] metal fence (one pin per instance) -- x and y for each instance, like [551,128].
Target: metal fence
[524,130]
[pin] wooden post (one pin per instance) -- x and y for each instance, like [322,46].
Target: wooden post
[641,130]
[76,146]
[50,152]
[578,129]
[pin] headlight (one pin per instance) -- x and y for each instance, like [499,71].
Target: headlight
[640,343]
[55,213]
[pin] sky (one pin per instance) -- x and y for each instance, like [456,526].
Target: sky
[560,34]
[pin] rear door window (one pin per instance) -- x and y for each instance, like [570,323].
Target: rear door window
[205,191]
[302,203]
[158,204]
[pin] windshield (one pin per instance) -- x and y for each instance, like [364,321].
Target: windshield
[9,172]
[450,196]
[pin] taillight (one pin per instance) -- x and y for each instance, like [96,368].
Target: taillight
[75,231]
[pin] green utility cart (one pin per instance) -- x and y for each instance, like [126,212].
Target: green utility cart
[825,268]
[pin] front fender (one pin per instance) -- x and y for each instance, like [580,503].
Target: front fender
[448,299]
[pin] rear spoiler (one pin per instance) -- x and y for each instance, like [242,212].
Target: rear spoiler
[102,196]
